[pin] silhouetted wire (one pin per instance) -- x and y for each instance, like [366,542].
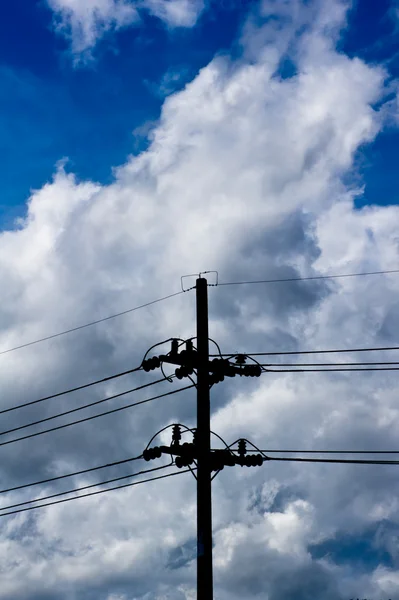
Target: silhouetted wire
[217,346]
[125,312]
[86,385]
[73,410]
[324,460]
[348,364]
[334,369]
[75,389]
[336,460]
[310,278]
[108,412]
[89,486]
[118,487]
[82,472]
[296,352]
[220,438]
[326,451]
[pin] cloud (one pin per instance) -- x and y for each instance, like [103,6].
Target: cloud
[245,173]
[176,13]
[84,23]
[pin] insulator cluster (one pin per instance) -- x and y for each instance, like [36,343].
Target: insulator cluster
[151,363]
[187,360]
[184,371]
[251,371]
[221,368]
[151,453]
[251,460]
[186,455]
[225,458]
[242,447]
[176,434]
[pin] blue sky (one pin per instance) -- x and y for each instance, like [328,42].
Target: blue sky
[51,108]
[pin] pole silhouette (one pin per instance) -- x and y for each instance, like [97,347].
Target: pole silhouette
[203,443]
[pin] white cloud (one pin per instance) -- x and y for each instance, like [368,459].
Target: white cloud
[244,174]
[84,22]
[176,13]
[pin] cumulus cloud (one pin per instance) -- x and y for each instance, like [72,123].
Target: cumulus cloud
[84,23]
[245,173]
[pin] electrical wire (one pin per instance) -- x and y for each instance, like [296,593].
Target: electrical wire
[324,460]
[82,472]
[108,412]
[86,487]
[75,389]
[353,364]
[118,487]
[336,460]
[335,369]
[310,278]
[296,352]
[73,410]
[326,451]
[50,337]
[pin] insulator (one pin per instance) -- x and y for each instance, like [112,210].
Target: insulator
[151,453]
[189,346]
[176,435]
[216,378]
[257,370]
[241,359]
[179,462]
[252,371]
[175,347]
[229,458]
[215,365]
[254,460]
[179,374]
[217,463]
[151,363]
[229,370]
[242,447]
[183,372]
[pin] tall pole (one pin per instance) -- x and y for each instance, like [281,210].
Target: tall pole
[203,442]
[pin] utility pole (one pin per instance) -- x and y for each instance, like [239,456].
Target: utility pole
[199,451]
[203,443]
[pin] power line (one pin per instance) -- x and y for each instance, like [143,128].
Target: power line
[108,412]
[336,460]
[86,487]
[75,389]
[50,337]
[289,279]
[73,410]
[82,472]
[359,364]
[118,487]
[295,352]
[325,451]
[335,369]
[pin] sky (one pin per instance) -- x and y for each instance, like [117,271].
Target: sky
[146,140]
